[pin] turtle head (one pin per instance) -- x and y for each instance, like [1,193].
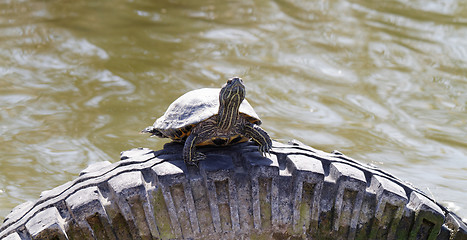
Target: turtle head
[230,98]
[233,92]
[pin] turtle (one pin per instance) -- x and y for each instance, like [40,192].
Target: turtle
[211,116]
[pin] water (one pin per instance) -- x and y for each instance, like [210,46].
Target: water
[381,81]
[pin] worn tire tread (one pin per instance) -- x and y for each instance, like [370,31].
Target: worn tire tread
[295,193]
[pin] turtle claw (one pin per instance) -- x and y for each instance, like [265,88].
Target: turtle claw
[264,150]
[194,161]
[198,157]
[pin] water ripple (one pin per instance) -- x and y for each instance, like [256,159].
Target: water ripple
[384,82]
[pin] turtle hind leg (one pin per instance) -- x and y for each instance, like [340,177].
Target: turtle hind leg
[260,136]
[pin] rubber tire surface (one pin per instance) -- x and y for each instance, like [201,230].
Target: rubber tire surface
[235,193]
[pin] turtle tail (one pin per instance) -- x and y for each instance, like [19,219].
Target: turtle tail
[152,131]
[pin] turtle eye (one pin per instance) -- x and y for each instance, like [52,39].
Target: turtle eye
[229,81]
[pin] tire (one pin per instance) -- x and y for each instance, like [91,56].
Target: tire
[297,192]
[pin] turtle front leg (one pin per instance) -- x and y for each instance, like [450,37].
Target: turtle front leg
[190,155]
[260,136]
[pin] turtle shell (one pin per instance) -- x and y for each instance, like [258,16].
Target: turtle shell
[194,107]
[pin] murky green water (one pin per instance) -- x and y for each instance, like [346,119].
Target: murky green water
[384,82]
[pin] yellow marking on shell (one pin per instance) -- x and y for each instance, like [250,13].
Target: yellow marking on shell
[180,133]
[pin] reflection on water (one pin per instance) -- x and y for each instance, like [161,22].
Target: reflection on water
[383,82]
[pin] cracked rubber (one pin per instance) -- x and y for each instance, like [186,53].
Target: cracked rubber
[297,192]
